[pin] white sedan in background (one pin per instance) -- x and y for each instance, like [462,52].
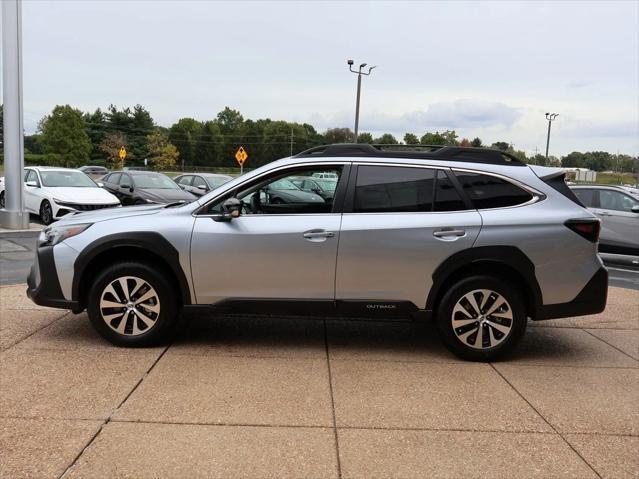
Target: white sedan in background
[53,193]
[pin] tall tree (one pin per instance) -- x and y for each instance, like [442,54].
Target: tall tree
[64,137]
[411,139]
[110,147]
[386,139]
[501,145]
[184,135]
[365,138]
[209,145]
[476,142]
[432,139]
[162,154]
[338,135]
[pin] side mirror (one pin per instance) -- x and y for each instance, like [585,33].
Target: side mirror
[202,187]
[635,209]
[100,184]
[231,208]
[32,184]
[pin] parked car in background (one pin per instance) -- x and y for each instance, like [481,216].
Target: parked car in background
[325,174]
[94,171]
[320,186]
[201,183]
[53,193]
[142,187]
[618,210]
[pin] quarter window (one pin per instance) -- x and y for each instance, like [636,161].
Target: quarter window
[587,197]
[487,191]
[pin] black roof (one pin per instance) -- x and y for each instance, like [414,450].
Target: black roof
[422,152]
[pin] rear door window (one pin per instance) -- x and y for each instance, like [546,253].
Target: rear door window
[486,191]
[393,189]
[446,195]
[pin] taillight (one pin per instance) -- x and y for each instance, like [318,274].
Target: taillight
[586,228]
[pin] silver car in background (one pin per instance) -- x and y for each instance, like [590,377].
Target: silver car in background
[618,210]
[469,237]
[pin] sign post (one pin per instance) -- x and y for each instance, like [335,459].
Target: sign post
[241,157]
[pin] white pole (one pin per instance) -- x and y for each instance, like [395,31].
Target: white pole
[13,216]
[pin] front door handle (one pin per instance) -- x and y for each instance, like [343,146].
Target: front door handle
[314,234]
[447,233]
[318,235]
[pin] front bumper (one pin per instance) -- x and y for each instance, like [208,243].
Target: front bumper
[590,300]
[43,286]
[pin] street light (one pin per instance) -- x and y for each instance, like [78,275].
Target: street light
[550,117]
[359,89]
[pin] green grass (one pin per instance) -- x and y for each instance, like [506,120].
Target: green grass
[614,179]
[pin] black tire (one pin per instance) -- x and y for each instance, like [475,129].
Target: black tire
[163,323]
[2,200]
[504,343]
[46,213]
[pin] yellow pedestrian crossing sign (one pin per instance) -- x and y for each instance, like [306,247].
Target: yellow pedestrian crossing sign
[241,155]
[122,153]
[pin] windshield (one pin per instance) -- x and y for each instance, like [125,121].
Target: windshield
[283,184]
[66,178]
[155,181]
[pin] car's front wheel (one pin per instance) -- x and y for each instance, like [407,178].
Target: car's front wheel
[481,318]
[133,304]
[46,213]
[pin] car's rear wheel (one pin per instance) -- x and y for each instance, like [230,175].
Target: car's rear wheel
[481,318]
[133,304]
[46,212]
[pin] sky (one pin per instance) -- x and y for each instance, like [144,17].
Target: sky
[487,69]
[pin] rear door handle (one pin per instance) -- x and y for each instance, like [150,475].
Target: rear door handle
[315,234]
[447,233]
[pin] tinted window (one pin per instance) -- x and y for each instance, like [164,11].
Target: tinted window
[185,180]
[199,181]
[614,200]
[114,178]
[487,191]
[389,189]
[587,197]
[125,180]
[446,196]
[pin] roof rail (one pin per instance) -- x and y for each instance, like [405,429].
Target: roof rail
[434,152]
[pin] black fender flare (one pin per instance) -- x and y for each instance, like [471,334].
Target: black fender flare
[508,256]
[150,241]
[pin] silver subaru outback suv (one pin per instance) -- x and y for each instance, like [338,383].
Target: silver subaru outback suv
[472,238]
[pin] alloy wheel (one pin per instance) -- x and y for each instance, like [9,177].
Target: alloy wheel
[130,306]
[482,319]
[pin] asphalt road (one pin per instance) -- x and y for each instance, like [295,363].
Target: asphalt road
[17,250]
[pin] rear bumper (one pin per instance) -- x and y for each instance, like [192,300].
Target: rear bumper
[43,286]
[590,300]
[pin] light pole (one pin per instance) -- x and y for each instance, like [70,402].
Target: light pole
[359,89]
[13,215]
[550,117]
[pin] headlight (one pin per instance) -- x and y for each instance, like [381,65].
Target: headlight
[56,234]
